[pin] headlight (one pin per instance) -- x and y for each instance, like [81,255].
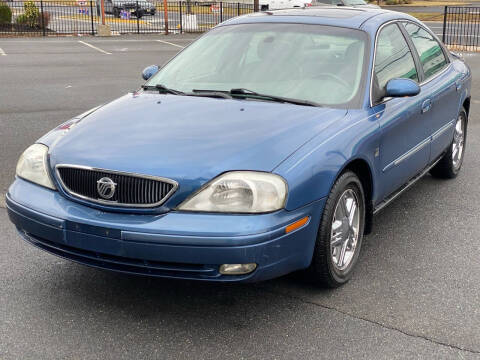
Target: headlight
[32,166]
[240,192]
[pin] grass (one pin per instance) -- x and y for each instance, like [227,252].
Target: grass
[459,18]
[427,16]
[467,48]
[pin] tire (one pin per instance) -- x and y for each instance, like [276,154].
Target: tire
[450,164]
[327,269]
[153,12]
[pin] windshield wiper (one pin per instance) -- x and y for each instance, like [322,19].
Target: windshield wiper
[246,92]
[162,89]
[211,93]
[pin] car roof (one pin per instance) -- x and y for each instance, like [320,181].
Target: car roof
[321,15]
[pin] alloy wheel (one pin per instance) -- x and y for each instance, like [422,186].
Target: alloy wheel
[458,143]
[345,230]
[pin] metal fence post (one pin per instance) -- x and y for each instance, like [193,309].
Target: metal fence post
[43,18]
[444,23]
[238,9]
[181,26]
[221,11]
[102,7]
[137,12]
[165,15]
[91,17]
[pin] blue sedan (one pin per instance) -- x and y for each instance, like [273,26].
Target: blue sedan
[263,148]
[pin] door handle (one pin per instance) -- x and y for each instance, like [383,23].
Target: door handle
[427,105]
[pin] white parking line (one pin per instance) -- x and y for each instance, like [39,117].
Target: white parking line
[169,43]
[2,53]
[94,47]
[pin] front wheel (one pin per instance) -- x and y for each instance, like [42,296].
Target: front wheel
[450,164]
[340,234]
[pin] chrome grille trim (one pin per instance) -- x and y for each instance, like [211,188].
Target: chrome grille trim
[138,179]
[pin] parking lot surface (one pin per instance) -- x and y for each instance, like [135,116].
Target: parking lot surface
[415,293]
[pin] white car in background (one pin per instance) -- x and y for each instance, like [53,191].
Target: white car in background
[283,4]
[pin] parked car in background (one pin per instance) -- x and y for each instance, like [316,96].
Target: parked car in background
[283,4]
[351,3]
[115,7]
[264,147]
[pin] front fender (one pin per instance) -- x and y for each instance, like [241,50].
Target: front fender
[311,171]
[464,78]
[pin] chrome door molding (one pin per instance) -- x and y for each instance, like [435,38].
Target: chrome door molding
[420,145]
[443,129]
[409,153]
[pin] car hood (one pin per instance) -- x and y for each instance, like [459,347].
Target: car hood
[188,139]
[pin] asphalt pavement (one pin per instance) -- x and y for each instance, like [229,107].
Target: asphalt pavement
[414,295]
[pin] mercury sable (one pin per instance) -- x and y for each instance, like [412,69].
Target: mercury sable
[263,148]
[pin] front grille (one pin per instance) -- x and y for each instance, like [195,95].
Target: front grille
[131,190]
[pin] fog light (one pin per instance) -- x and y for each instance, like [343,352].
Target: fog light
[237,269]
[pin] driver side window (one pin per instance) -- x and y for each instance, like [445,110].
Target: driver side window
[393,59]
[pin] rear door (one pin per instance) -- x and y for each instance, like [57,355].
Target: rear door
[439,82]
[405,138]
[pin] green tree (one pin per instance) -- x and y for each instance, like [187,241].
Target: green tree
[31,14]
[5,13]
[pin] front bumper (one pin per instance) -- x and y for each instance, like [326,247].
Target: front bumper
[175,244]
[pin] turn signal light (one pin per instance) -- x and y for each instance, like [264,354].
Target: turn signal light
[297,224]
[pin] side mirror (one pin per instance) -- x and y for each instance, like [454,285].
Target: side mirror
[401,88]
[149,71]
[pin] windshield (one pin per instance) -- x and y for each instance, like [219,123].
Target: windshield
[322,64]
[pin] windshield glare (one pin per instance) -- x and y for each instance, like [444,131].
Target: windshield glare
[323,64]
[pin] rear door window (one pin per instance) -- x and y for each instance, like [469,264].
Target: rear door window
[429,50]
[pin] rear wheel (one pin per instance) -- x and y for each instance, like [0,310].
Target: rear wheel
[340,234]
[450,164]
